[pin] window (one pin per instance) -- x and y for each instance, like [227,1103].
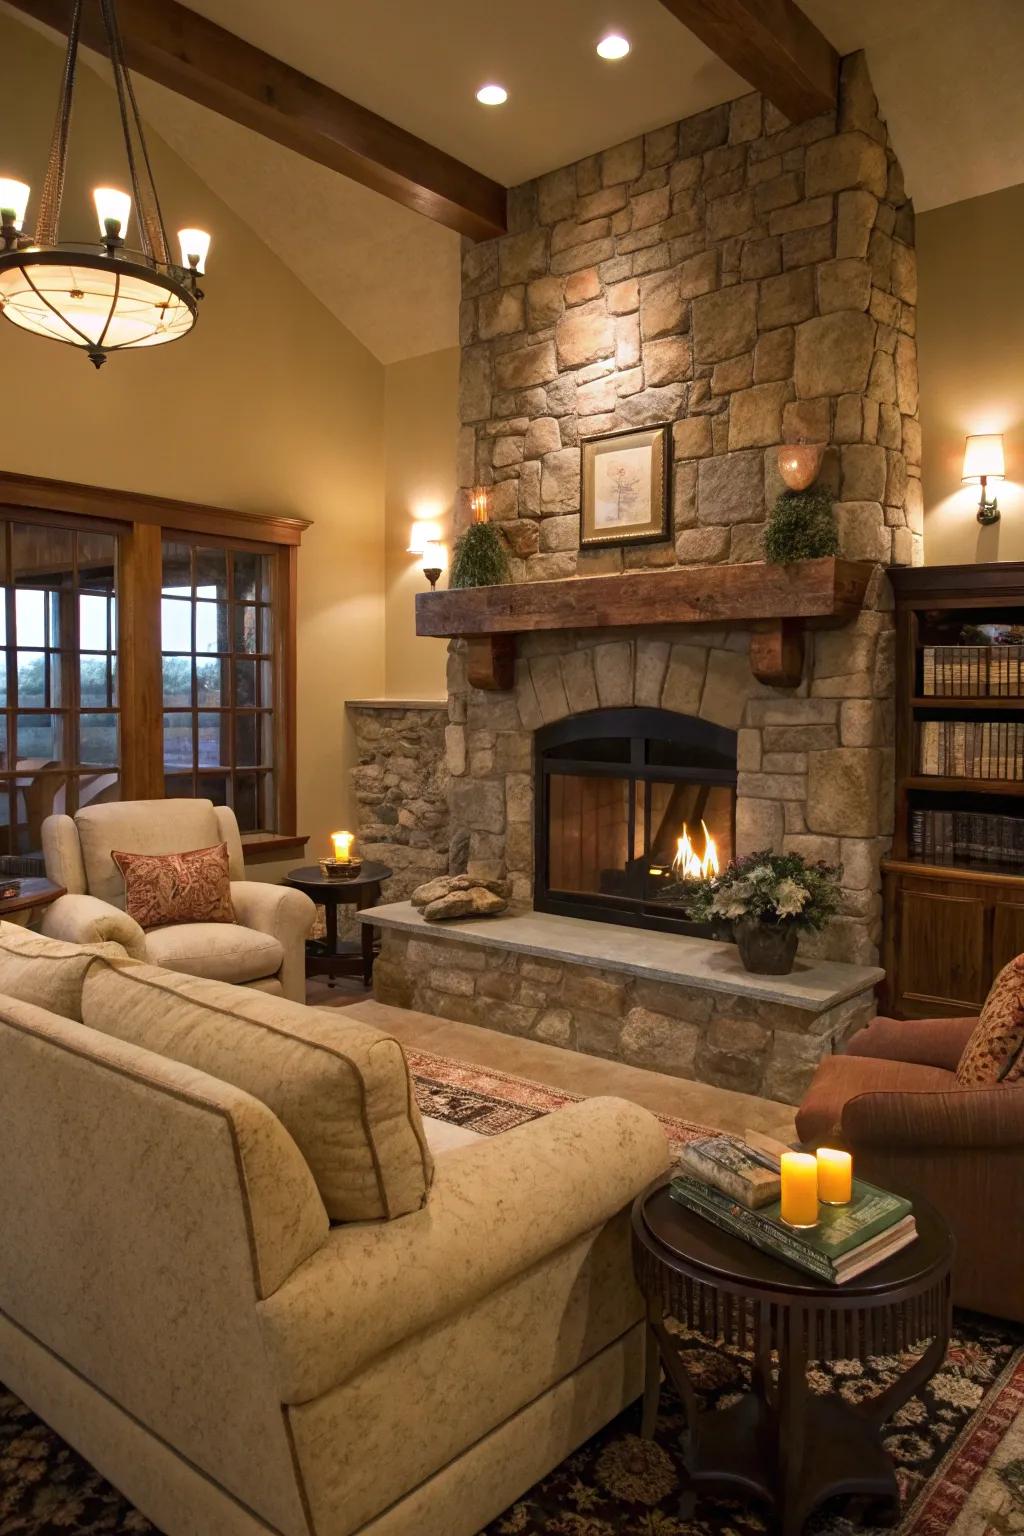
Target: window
[217,643]
[59,729]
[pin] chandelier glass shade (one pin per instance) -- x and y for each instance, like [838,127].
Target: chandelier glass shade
[102,298]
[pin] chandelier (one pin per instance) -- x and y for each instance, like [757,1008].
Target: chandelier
[103,297]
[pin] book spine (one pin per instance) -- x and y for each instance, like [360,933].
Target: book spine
[928,672]
[760,1235]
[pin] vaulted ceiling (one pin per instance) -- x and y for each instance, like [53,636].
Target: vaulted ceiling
[947,74]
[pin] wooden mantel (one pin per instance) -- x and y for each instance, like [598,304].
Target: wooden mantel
[775,601]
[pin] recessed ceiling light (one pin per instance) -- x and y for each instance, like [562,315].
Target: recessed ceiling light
[613,46]
[492,95]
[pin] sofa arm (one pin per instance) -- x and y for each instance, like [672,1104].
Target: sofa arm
[496,1208]
[87,920]
[287,915]
[925,1042]
[964,1118]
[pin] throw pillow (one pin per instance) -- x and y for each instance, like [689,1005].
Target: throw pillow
[165,888]
[998,1036]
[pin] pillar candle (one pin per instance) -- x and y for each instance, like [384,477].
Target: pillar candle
[342,846]
[799,1189]
[835,1176]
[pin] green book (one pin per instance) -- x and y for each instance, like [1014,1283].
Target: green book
[847,1239]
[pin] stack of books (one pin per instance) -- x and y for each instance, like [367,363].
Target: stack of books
[966,837]
[973,749]
[732,1184]
[972,671]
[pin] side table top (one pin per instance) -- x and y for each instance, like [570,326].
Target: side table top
[35,891]
[311,876]
[692,1246]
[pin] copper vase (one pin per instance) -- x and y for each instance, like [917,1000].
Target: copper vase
[799,464]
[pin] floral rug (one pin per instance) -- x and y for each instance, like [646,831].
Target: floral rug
[958,1448]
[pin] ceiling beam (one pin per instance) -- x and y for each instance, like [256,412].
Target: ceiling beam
[182,50]
[773,45]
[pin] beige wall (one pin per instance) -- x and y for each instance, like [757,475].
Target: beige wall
[971,335]
[421,425]
[269,406]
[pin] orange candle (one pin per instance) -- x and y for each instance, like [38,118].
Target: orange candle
[342,842]
[835,1176]
[799,1189]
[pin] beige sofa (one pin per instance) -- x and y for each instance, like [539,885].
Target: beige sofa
[177,1303]
[264,948]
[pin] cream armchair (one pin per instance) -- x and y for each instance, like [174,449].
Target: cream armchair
[263,948]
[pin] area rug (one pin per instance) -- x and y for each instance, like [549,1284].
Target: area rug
[958,1448]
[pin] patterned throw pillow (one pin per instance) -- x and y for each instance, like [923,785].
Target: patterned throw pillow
[165,888]
[995,1045]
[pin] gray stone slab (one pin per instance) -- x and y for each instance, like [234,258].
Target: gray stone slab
[396,703]
[812,985]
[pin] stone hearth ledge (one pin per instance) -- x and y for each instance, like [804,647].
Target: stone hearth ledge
[673,1004]
[813,985]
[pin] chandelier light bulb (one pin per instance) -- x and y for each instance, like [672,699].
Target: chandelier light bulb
[614,46]
[195,247]
[13,201]
[492,95]
[112,207]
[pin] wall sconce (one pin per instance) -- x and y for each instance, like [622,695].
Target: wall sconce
[433,562]
[479,503]
[421,535]
[983,461]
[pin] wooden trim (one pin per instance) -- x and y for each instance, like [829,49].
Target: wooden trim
[256,848]
[285,611]
[193,56]
[952,872]
[959,586]
[33,493]
[772,45]
[140,680]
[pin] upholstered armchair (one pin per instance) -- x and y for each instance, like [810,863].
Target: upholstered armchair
[892,1098]
[264,947]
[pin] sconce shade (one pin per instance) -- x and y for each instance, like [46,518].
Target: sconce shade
[433,556]
[421,535]
[983,458]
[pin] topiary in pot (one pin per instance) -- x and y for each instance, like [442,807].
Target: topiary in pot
[802,526]
[479,559]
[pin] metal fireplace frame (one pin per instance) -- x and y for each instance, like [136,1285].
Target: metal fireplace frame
[638,726]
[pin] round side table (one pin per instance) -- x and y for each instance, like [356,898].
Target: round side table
[330,956]
[34,892]
[781,1443]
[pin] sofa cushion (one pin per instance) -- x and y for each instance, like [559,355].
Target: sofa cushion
[839,1079]
[163,888]
[47,972]
[340,1087]
[140,826]
[218,951]
[998,1036]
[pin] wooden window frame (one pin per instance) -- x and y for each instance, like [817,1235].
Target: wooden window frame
[142,523]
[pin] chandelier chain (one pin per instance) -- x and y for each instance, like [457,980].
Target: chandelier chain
[53,183]
[151,223]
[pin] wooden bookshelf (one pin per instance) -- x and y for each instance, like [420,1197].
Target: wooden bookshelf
[954,892]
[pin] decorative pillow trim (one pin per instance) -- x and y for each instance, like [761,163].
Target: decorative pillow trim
[993,1054]
[161,889]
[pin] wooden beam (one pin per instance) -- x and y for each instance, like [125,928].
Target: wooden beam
[777,653]
[773,45]
[182,50]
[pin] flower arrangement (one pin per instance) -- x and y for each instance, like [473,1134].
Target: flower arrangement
[768,898]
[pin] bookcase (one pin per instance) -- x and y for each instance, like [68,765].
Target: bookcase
[953,887]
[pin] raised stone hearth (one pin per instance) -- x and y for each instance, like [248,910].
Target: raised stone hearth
[677,1005]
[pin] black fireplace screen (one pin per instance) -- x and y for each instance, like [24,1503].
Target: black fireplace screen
[631,805]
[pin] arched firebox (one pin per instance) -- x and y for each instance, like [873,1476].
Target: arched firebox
[631,804]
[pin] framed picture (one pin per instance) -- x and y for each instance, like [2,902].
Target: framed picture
[625,488]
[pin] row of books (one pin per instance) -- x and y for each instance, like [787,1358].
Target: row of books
[972,749]
[972,671]
[724,1180]
[966,837]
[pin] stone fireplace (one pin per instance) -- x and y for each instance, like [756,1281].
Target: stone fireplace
[630,804]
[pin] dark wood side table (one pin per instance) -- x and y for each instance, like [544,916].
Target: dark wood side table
[330,956]
[780,1442]
[35,891]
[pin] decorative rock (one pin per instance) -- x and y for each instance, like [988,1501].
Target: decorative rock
[477,901]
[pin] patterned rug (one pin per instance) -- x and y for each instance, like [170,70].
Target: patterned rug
[958,1448]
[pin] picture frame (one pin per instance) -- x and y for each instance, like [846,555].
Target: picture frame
[625,481]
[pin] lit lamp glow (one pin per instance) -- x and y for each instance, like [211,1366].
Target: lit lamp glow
[113,209]
[799,1189]
[13,203]
[983,461]
[342,845]
[195,247]
[422,534]
[835,1176]
[345,865]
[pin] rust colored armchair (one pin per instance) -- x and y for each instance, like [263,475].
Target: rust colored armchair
[892,1099]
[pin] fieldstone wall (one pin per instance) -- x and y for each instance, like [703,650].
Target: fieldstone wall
[400,784]
[750,281]
[815,762]
[750,1046]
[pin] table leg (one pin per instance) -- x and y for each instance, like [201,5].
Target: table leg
[793,1393]
[367,934]
[331,933]
[652,1373]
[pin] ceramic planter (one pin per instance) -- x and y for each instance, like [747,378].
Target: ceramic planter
[799,464]
[768,949]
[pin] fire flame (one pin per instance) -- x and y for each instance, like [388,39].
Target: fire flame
[686,863]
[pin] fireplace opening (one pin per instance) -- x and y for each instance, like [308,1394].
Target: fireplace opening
[631,806]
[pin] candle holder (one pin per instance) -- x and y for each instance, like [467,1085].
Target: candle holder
[341,869]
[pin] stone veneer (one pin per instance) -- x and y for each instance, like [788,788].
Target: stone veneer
[400,784]
[734,1042]
[751,282]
